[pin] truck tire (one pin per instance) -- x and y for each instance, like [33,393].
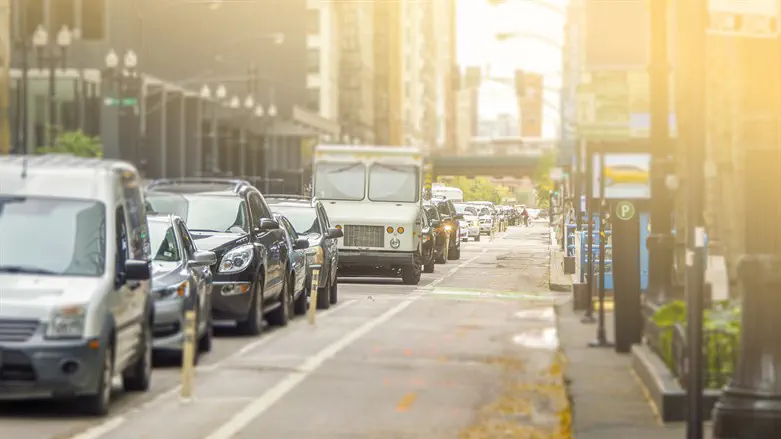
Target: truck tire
[411,273]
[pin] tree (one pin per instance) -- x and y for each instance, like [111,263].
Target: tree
[543,185]
[76,143]
[480,189]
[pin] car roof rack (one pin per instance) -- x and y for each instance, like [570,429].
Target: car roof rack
[196,180]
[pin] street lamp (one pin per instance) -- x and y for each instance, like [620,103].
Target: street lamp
[123,91]
[46,53]
[249,102]
[222,92]
[234,103]
[267,117]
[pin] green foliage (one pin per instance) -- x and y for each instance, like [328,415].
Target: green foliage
[480,189]
[543,184]
[76,143]
[721,325]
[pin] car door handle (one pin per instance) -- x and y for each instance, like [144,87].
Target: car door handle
[133,285]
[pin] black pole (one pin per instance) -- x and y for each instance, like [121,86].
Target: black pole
[695,233]
[25,82]
[578,192]
[601,341]
[589,317]
[52,96]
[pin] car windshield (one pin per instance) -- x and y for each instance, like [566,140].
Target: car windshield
[41,235]
[163,240]
[431,212]
[398,184]
[303,219]
[203,213]
[337,181]
[443,209]
[466,209]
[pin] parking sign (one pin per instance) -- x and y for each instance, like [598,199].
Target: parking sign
[745,18]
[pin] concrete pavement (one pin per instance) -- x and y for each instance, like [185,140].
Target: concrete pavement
[472,352]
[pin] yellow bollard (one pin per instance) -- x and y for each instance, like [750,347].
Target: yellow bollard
[188,356]
[313,297]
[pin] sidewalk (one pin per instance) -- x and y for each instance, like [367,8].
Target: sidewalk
[608,400]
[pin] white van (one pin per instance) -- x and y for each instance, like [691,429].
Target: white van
[454,194]
[373,194]
[75,307]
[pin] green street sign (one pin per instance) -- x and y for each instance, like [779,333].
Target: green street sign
[124,102]
[625,210]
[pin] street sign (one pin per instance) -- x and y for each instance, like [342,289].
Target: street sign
[625,210]
[744,18]
[627,176]
[124,102]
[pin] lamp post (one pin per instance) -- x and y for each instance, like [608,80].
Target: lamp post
[46,53]
[249,107]
[211,156]
[233,104]
[122,89]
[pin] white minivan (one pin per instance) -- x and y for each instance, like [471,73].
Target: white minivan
[374,195]
[75,307]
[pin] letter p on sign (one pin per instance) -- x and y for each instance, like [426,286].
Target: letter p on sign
[625,210]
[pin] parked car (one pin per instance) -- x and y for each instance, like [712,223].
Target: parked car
[181,281]
[440,233]
[472,220]
[310,221]
[297,268]
[450,217]
[429,237]
[75,308]
[231,218]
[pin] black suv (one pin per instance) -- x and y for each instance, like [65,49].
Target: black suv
[231,218]
[310,221]
[450,217]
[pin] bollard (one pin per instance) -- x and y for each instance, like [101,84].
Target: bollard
[188,356]
[313,297]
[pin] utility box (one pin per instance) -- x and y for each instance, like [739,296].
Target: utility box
[580,296]
[569,264]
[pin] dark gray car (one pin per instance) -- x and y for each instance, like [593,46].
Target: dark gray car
[181,280]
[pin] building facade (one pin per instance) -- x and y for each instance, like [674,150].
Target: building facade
[356,71]
[388,76]
[323,51]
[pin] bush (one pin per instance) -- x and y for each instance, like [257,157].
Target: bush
[721,327]
[76,143]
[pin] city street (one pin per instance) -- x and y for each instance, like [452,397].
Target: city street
[452,357]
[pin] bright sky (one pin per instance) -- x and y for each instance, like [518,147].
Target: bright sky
[478,23]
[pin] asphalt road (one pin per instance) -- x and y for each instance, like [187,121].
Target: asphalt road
[437,360]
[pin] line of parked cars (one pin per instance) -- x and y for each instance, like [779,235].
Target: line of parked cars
[97,271]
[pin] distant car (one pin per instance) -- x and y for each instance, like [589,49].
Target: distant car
[429,237]
[181,280]
[231,218]
[441,234]
[472,220]
[297,268]
[450,217]
[309,220]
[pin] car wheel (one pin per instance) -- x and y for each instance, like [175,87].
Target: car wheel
[281,315]
[254,323]
[455,254]
[333,292]
[99,403]
[299,306]
[139,377]
[477,238]
[411,273]
[324,295]
[442,259]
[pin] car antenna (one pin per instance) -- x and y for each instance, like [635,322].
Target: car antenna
[24,166]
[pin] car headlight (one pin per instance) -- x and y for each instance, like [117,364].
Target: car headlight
[236,260]
[314,255]
[447,227]
[180,290]
[67,322]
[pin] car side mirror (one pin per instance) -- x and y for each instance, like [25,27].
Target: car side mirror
[335,233]
[459,216]
[136,270]
[267,225]
[203,258]
[301,244]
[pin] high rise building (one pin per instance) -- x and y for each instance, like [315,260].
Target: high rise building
[323,50]
[388,91]
[448,72]
[356,70]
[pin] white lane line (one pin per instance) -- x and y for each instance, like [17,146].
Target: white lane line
[282,388]
[101,429]
[111,424]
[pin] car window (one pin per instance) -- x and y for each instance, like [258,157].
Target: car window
[204,213]
[256,207]
[187,240]
[163,240]
[442,209]
[135,211]
[290,234]
[123,248]
[424,218]
[324,216]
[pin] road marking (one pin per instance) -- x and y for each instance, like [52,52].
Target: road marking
[99,430]
[406,401]
[282,388]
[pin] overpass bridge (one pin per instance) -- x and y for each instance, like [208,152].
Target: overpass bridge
[494,157]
